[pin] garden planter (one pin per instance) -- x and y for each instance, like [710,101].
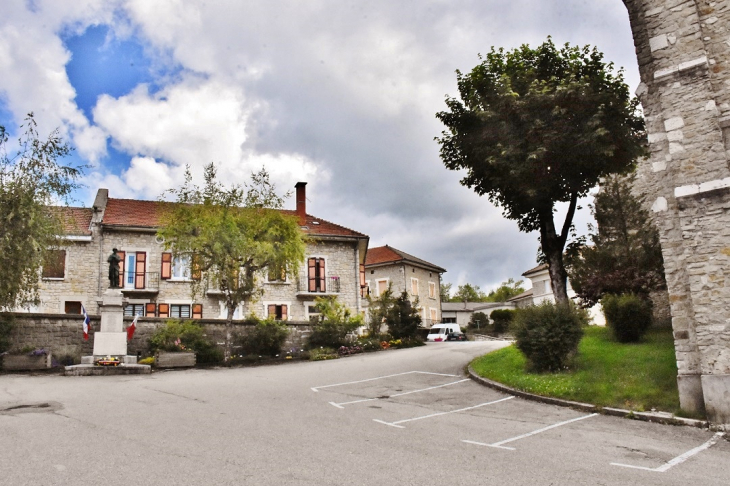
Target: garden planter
[23,362]
[166,359]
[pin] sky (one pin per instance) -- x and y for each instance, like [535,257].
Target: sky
[339,94]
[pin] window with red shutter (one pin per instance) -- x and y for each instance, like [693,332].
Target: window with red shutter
[151,309]
[197,311]
[166,270]
[316,275]
[140,269]
[122,275]
[163,310]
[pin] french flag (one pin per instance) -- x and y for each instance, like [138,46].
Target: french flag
[131,328]
[87,322]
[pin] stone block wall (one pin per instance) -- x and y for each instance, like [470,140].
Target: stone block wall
[683,54]
[63,335]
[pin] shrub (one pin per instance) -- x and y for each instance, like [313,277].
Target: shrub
[502,318]
[185,336]
[479,320]
[334,326]
[548,334]
[321,354]
[7,323]
[628,316]
[266,338]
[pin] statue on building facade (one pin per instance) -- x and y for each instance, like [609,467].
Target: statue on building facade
[114,260]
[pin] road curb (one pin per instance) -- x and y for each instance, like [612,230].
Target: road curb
[657,417]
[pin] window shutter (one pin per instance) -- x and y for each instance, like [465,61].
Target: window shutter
[312,272]
[283,313]
[141,268]
[166,270]
[197,311]
[123,256]
[272,311]
[320,267]
[150,309]
[362,276]
[163,310]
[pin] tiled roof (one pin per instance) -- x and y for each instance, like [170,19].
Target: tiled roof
[524,295]
[75,221]
[538,268]
[147,214]
[388,254]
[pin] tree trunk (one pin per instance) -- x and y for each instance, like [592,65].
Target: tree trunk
[229,326]
[552,247]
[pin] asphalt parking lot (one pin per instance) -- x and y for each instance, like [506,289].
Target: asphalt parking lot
[395,417]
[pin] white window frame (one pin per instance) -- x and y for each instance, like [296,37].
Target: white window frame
[186,268]
[414,280]
[224,312]
[377,285]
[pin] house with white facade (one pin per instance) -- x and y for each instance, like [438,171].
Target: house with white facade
[542,291]
[154,283]
[386,266]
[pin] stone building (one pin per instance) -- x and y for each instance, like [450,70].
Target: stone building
[386,266]
[684,63]
[154,283]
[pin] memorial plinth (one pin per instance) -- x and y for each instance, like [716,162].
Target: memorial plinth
[110,340]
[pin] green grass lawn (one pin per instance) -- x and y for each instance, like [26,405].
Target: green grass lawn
[605,372]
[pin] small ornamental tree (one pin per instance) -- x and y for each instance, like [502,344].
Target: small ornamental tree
[403,318]
[379,309]
[624,255]
[479,320]
[31,179]
[538,127]
[628,316]
[335,324]
[230,235]
[502,318]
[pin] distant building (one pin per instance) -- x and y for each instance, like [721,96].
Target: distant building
[386,265]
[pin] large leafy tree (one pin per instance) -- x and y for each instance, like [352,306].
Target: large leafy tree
[506,291]
[31,179]
[231,235]
[624,255]
[538,127]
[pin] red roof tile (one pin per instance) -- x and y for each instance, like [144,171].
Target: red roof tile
[147,214]
[388,254]
[75,221]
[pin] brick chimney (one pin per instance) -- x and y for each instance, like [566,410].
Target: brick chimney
[301,202]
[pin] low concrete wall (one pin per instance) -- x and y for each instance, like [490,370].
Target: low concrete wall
[63,333]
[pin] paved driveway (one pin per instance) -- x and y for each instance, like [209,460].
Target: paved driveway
[395,417]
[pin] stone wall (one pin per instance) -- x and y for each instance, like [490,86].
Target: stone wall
[400,275]
[63,335]
[682,49]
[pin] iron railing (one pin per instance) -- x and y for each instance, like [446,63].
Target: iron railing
[326,285]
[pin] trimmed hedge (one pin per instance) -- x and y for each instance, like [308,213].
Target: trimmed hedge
[548,334]
[628,316]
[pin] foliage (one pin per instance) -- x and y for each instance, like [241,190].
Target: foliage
[379,309]
[445,290]
[266,337]
[231,234]
[30,181]
[334,326]
[548,334]
[178,335]
[506,291]
[403,317]
[7,324]
[469,293]
[321,354]
[606,373]
[625,256]
[479,320]
[536,127]
[628,316]
[502,318]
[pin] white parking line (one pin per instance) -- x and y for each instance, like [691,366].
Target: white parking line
[338,405]
[395,424]
[317,388]
[499,444]
[678,459]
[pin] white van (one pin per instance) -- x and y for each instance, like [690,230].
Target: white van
[439,331]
